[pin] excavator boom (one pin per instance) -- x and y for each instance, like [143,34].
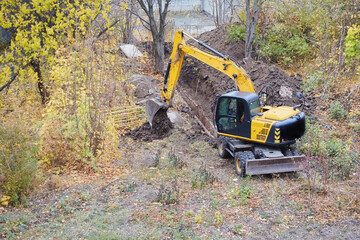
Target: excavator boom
[214,59]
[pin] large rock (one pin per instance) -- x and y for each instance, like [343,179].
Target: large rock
[130,51]
[144,87]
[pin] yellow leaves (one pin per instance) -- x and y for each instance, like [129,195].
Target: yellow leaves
[5,200]
[34,38]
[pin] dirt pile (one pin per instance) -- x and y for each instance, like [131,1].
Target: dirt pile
[203,83]
[160,128]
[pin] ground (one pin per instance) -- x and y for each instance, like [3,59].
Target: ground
[179,188]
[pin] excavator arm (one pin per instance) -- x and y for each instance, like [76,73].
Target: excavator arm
[216,60]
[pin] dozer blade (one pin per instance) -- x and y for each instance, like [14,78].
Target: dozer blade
[153,105]
[275,165]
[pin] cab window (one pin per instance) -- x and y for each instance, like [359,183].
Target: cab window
[255,107]
[229,113]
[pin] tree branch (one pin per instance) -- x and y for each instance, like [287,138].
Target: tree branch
[107,28]
[13,77]
[141,19]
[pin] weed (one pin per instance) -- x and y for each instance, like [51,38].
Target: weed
[174,160]
[201,177]
[264,215]
[218,219]
[168,195]
[355,126]
[236,33]
[312,81]
[190,213]
[298,207]
[337,111]
[13,226]
[156,160]
[238,229]
[340,202]
[334,147]
[326,157]
[18,163]
[182,231]
[242,194]
[215,204]
[199,218]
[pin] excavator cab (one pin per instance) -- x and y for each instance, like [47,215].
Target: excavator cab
[234,112]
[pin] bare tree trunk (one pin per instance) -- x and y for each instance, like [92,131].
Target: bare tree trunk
[251,22]
[130,20]
[158,46]
[341,47]
[157,29]
[220,12]
[42,89]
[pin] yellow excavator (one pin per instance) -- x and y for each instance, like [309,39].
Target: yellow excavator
[261,139]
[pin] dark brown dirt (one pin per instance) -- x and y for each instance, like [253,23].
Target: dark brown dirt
[203,83]
[160,129]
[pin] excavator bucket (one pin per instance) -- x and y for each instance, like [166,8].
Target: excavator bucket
[275,165]
[153,106]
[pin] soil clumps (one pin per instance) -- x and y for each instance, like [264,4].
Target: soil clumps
[160,128]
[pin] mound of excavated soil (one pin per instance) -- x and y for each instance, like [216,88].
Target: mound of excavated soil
[203,83]
[160,129]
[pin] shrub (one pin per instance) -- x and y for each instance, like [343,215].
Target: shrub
[168,195]
[330,157]
[337,111]
[201,177]
[285,45]
[174,160]
[242,194]
[18,163]
[236,33]
[311,81]
[67,141]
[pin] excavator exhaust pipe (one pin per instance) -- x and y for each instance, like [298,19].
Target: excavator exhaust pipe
[153,106]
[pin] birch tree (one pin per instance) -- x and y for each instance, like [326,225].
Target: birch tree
[252,17]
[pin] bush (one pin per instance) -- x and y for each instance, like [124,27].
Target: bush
[311,81]
[175,161]
[241,194]
[236,33]
[285,45]
[337,111]
[330,157]
[202,177]
[18,163]
[167,195]
[65,142]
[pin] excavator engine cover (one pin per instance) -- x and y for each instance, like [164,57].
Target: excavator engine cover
[153,106]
